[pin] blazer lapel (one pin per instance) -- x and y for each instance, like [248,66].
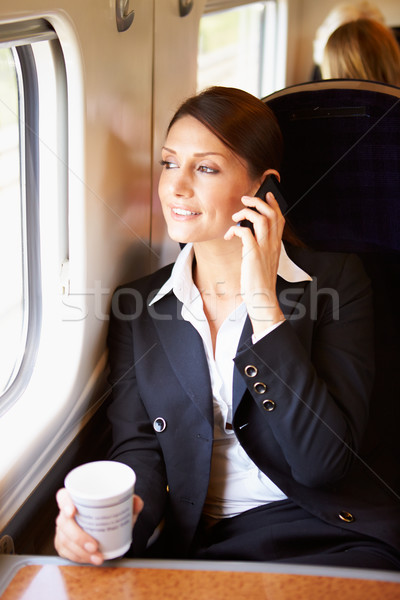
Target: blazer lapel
[289,295]
[239,386]
[184,348]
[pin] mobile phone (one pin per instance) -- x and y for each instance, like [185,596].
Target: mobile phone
[270,184]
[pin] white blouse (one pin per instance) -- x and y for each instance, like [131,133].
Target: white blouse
[236,484]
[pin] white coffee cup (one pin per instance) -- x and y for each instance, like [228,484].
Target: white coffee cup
[102,493]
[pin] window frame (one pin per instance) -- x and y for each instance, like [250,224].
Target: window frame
[273,32]
[20,37]
[219,5]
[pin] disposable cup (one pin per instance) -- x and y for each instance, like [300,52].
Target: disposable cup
[102,494]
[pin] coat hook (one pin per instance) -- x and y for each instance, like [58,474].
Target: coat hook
[185,6]
[123,16]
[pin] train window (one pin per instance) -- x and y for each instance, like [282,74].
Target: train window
[241,46]
[20,310]
[13,304]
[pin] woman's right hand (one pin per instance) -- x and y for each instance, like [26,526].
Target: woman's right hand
[71,541]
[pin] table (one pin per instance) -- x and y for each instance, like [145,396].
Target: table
[45,578]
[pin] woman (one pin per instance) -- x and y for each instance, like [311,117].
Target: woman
[362,49]
[241,376]
[340,14]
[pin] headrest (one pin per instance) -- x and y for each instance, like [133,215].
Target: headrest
[341,167]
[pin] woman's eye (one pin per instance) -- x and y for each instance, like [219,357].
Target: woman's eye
[205,169]
[168,164]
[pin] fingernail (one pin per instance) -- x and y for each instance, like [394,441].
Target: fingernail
[96,559]
[90,547]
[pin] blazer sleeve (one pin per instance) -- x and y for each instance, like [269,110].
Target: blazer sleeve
[133,439]
[316,375]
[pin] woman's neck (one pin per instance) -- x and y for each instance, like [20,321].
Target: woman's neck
[216,274]
[216,267]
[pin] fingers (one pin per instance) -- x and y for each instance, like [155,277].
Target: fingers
[268,208]
[244,233]
[266,217]
[65,503]
[137,506]
[263,205]
[70,540]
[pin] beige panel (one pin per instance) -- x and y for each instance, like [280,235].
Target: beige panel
[175,70]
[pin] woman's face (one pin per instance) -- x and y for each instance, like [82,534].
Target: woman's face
[201,183]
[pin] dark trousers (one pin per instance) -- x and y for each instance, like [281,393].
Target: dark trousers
[284,532]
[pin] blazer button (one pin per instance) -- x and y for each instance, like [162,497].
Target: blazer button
[260,387]
[251,371]
[269,405]
[346,516]
[159,424]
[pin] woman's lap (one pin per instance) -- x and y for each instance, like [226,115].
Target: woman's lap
[284,532]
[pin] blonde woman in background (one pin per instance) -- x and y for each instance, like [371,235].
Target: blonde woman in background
[362,49]
[342,13]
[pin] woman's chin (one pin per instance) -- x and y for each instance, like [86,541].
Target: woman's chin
[178,237]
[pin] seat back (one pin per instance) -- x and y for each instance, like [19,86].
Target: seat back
[341,178]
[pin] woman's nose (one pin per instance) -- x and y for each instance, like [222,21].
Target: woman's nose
[182,184]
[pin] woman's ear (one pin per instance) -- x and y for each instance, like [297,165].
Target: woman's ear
[263,177]
[270,172]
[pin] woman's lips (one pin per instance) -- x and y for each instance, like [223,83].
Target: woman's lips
[183,212]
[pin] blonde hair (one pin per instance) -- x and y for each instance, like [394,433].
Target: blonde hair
[340,14]
[362,49]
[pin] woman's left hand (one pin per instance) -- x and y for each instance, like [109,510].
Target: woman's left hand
[260,259]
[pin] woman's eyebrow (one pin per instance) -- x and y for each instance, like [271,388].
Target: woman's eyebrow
[208,154]
[195,154]
[168,149]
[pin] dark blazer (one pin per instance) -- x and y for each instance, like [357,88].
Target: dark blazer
[306,429]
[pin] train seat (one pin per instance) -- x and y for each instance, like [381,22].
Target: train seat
[341,178]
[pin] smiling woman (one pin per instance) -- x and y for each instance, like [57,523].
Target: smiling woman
[255,441]
[201,183]
[82,125]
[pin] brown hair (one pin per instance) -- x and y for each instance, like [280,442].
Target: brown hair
[245,125]
[362,49]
